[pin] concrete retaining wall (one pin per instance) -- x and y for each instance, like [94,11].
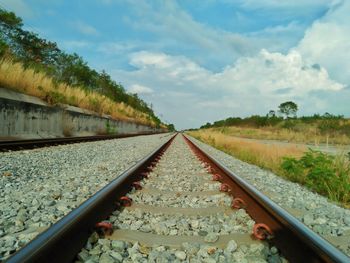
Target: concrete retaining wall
[23,116]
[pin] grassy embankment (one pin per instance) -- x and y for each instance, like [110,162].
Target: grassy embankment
[327,175]
[26,80]
[302,133]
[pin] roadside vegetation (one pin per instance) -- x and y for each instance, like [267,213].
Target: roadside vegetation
[284,125]
[37,67]
[262,155]
[301,133]
[325,174]
[322,173]
[14,76]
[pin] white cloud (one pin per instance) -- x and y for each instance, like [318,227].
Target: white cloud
[327,42]
[85,29]
[173,28]
[139,89]
[275,73]
[176,27]
[251,85]
[175,67]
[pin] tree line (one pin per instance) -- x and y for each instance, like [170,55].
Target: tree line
[286,117]
[42,55]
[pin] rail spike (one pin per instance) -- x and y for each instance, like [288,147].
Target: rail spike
[262,231]
[216,177]
[225,188]
[104,228]
[125,201]
[238,203]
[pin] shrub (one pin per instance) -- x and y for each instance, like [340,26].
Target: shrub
[325,174]
[289,124]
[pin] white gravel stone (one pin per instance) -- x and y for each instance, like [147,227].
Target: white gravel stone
[117,256]
[231,246]
[180,255]
[177,172]
[47,183]
[314,210]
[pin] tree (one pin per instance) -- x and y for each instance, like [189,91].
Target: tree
[45,56]
[3,47]
[207,125]
[271,114]
[171,127]
[288,108]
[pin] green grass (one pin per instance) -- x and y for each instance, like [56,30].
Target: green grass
[325,174]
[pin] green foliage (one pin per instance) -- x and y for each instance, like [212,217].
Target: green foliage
[3,48]
[271,114]
[294,168]
[325,174]
[289,124]
[326,123]
[252,121]
[288,108]
[171,127]
[9,19]
[329,125]
[45,56]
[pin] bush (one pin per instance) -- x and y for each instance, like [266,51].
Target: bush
[325,174]
[289,124]
[345,129]
[294,168]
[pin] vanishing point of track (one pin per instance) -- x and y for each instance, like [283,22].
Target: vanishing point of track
[211,189]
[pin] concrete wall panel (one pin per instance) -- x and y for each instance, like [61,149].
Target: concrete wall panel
[23,116]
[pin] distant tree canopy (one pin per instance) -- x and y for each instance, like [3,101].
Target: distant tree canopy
[288,108]
[326,123]
[252,121]
[171,127]
[43,55]
[271,113]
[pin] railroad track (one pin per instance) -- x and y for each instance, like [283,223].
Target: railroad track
[13,145]
[178,206]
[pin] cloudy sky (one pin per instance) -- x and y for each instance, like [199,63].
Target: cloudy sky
[204,60]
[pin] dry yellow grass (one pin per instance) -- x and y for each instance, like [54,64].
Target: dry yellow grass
[263,155]
[308,134]
[14,76]
[335,185]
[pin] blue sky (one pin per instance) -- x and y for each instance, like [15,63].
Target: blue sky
[199,61]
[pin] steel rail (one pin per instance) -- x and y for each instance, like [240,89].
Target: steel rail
[296,241]
[37,143]
[64,240]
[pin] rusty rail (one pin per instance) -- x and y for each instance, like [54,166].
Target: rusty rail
[63,240]
[297,242]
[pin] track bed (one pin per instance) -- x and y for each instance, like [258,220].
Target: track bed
[179,215]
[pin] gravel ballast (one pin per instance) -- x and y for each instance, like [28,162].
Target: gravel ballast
[38,187]
[189,187]
[315,211]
